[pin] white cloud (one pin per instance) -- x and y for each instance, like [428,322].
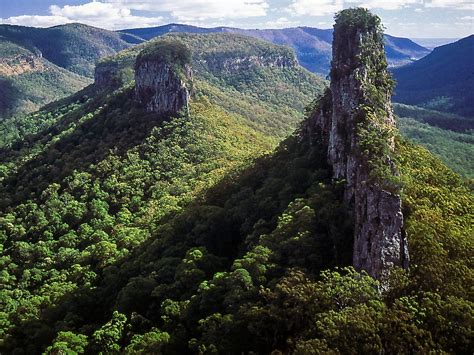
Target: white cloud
[118,14]
[455,4]
[199,10]
[35,21]
[105,15]
[94,13]
[90,10]
[315,7]
[388,4]
[467,18]
[281,22]
[325,7]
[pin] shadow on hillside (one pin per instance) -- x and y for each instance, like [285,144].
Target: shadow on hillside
[226,220]
[9,96]
[71,145]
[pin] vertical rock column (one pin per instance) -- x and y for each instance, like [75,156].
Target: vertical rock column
[358,129]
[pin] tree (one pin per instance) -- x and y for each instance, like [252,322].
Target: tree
[67,343]
[106,339]
[148,343]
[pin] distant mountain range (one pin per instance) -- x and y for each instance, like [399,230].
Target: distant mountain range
[432,43]
[443,80]
[40,65]
[312,45]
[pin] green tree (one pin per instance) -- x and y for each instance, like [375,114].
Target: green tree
[106,339]
[67,343]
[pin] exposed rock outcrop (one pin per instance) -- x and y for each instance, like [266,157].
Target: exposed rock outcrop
[20,64]
[163,78]
[235,63]
[355,120]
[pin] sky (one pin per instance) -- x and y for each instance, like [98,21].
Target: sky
[404,18]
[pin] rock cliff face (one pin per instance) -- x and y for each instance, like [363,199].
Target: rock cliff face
[236,63]
[163,79]
[355,120]
[12,66]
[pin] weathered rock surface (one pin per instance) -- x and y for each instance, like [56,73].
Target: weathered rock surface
[379,239]
[236,63]
[163,79]
[12,66]
[160,88]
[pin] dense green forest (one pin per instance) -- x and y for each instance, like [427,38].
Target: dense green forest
[126,232]
[454,148]
[448,136]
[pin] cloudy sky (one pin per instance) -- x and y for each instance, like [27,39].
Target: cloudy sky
[407,18]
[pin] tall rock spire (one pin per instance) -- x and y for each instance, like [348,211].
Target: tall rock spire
[356,121]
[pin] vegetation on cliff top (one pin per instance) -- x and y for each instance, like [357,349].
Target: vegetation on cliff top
[136,233]
[170,52]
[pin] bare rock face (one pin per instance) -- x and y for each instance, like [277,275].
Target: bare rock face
[163,78]
[355,120]
[237,63]
[20,64]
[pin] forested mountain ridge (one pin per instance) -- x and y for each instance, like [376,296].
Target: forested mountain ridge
[443,80]
[28,80]
[75,47]
[40,65]
[312,45]
[242,89]
[184,232]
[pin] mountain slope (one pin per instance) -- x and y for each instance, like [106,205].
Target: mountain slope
[239,77]
[28,80]
[168,161]
[75,47]
[312,45]
[443,80]
[139,232]
[453,148]
[40,65]
[450,137]
[243,73]
[444,120]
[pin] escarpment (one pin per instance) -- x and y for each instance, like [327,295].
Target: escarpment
[355,120]
[233,63]
[163,78]
[20,64]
